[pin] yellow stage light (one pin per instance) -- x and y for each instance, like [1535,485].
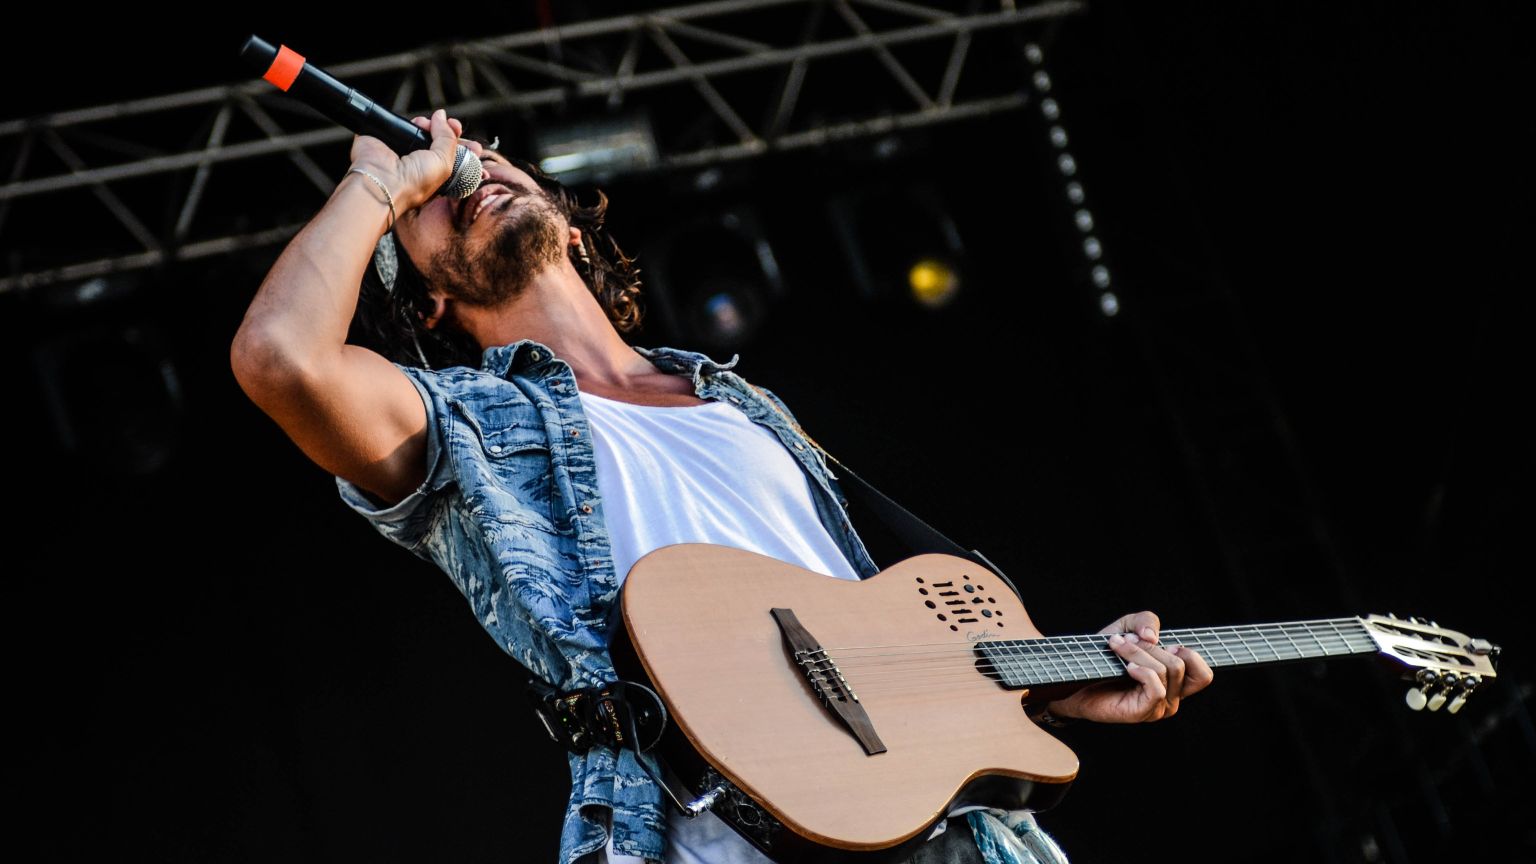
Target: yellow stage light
[933,282]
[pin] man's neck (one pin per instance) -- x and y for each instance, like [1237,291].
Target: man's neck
[558,310]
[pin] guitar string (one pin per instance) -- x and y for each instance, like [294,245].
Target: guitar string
[1104,666]
[1225,655]
[1257,649]
[1272,642]
[1249,631]
[1085,667]
[868,681]
[881,673]
[1075,648]
[1067,659]
[1040,669]
[1036,670]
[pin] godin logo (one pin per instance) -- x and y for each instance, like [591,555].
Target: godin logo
[973,636]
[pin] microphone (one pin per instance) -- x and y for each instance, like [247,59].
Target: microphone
[288,71]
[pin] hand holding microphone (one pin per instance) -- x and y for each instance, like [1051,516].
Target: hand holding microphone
[448,168]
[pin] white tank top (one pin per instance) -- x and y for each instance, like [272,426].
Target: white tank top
[702,474]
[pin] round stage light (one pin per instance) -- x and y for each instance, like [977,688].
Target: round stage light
[934,282]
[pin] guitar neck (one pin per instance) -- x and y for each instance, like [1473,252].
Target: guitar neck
[1019,663]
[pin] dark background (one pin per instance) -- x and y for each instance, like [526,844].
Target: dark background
[1324,207]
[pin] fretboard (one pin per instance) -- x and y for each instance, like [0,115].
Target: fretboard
[1080,659]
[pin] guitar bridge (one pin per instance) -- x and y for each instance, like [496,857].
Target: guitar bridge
[827,682]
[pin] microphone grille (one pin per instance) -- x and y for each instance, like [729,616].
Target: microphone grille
[468,173]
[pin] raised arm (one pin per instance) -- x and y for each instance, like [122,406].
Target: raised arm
[349,409]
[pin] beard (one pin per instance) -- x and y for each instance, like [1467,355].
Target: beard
[526,242]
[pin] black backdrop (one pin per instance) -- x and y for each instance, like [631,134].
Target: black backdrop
[218,662]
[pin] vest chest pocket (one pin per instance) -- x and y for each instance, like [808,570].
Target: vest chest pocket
[517,459]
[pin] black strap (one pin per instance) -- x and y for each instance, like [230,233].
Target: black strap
[618,714]
[918,535]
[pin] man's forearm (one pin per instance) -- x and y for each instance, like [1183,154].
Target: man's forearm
[301,314]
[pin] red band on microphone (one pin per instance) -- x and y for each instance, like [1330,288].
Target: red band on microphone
[285,67]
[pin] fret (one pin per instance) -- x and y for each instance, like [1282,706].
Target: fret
[1330,638]
[1319,649]
[1037,661]
[1052,651]
[1102,661]
[1334,639]
[1248,646]
[1106,660]
[1256,635]
[1083,673]
[1221,643]
[1033,662]
[1268,645]
[1029,661]
[1295,649]
[1047,655]
[1338,637]
[1020,664]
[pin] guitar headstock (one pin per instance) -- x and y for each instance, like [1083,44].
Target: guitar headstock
[1442,664]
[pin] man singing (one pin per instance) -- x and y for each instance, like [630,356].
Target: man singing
[515,439]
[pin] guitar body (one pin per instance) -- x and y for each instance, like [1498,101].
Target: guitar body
[698,626]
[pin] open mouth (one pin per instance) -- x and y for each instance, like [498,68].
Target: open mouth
[488,195]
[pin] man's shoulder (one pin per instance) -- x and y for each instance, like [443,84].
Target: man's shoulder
[460,381]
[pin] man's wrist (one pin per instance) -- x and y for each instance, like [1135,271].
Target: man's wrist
[381,187]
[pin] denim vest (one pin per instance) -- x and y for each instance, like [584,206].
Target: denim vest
[510,510]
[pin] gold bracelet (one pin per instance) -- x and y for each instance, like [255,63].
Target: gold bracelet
[388,198]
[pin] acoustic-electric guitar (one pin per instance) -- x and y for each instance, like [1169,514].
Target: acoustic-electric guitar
[828,719]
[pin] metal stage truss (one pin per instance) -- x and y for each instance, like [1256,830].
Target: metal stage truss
[146,170]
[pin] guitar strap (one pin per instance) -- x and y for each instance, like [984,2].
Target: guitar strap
[917,535]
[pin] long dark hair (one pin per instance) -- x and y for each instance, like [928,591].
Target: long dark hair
[389,321]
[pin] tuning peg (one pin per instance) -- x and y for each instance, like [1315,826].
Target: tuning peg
[1446,686]
[1447,683]
[1418,697]
[1468,684]
[1392,615]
